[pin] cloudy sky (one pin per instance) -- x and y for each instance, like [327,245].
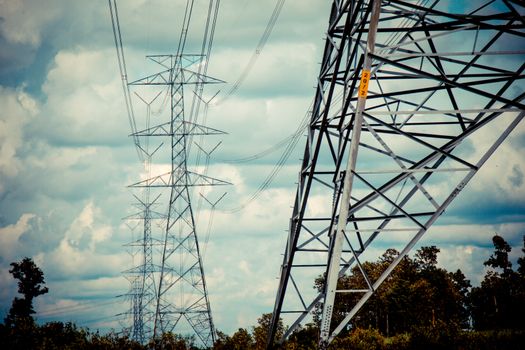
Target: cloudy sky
[66,158]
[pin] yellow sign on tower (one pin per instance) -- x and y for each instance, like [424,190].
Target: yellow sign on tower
[363,86]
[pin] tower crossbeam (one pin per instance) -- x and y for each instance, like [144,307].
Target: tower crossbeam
[412,99]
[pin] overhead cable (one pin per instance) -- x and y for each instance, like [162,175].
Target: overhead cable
[123,74]
[290,146]
[260,46]
[62,310]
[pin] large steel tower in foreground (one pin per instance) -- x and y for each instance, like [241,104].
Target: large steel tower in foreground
[412,99]
[168,290]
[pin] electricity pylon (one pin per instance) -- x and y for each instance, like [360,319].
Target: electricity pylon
[168,290]
[412,99]
[180,302]
[141,276]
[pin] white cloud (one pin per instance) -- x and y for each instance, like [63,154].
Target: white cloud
[89,302]
[468,258]
[69,153]
[85,225]
[10,236]
[505,160]
[18,109]
[84,104]
[281,72]
[18,24]
[12,249]
[77,254]
[244,267]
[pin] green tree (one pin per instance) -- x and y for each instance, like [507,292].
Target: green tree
[167,341]
[499,302]
[30,285]
[521,261]
[58,335]
[462,286]
[240,340]
[222,341]
[416,294]
[260,332]
[304,338]
[20,330]
[500,257]
[426,258]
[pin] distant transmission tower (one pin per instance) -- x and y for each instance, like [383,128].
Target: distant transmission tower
[412,99]
[168,291]
[142,276]
[180,291]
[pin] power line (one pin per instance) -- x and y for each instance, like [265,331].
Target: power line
[63,310]
[258,50]
[263,153]
[290,146]
[290,142]
[123,74]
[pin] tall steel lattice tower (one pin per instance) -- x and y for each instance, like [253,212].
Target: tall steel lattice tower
[412,99]
[168,291]
[178,279]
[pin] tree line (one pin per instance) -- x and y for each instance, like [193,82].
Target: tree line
[419,305]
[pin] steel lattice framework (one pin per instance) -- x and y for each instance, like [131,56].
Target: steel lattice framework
[178,279]
[142,276]
[412,99]
[168,291]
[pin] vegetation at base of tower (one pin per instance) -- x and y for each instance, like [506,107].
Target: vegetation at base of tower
[417,294]
[420,305]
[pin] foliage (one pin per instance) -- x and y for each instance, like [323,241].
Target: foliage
[170,341]
[243,340]
[440,335]
[491,340]
[500,257]
[417,294]
[260,332]
[398,342]
[360,339]
[58,335]
[499,303]
[521,261]
[418,306]
[304,338]
[19,335]
[63,336]
[238,341]
[30,285]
